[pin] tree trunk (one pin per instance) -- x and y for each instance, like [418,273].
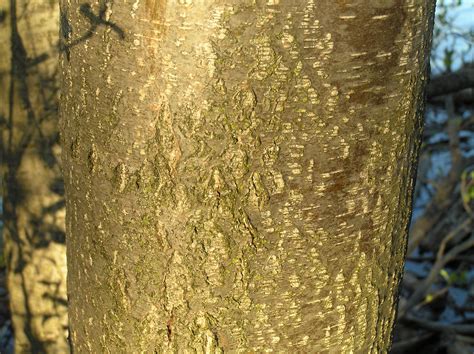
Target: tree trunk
[239,172]
[33,192]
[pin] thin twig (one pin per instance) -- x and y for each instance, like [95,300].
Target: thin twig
[439,264]
[442,327]
[403,346]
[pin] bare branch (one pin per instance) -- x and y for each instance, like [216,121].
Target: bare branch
[450,83]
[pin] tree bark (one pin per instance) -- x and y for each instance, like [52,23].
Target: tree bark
[239,173]
[33,191]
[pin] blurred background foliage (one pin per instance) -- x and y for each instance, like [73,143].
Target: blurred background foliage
[436,304]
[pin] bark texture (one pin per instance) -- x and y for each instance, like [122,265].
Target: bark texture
[33,192]
[239,172]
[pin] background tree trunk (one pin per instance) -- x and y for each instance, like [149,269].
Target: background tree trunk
[239,173]
[33,192]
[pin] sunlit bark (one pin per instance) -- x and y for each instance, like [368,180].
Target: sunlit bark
[239,173]
[33,195]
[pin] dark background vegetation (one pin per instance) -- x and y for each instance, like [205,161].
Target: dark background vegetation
[436,309]
[436,306]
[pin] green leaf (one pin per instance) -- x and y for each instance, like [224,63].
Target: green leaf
[470,192]
[444,273]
